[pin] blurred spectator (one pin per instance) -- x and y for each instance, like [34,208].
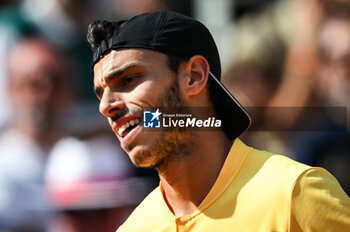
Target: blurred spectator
[258,45]
[92,185]
[8,37]
[332,84]
[330,148]
[274,63]
[63,23]
[38,92]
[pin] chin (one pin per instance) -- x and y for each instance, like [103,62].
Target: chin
[142,158]
[138,156]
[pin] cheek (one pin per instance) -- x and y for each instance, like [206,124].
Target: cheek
[146,92]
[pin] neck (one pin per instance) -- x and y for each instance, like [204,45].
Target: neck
[187,180]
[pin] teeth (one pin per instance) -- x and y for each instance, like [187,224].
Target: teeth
[121,129]
[126,125]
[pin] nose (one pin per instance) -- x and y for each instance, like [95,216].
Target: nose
[111,104]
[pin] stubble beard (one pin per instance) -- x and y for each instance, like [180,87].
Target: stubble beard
[171,144]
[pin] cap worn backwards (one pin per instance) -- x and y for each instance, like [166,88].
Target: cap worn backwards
[167,32]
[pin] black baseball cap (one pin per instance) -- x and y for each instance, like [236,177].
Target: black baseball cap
[181,36]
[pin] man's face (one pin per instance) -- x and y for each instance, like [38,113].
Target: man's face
[334,70]
[129,81]
[37,86]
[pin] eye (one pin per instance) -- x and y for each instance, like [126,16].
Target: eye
[130,78]
[98,91]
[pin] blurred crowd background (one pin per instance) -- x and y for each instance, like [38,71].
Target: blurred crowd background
[61,168]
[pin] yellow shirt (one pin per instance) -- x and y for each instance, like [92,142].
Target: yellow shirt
[255,191]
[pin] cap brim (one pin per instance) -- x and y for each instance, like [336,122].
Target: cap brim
[235,119]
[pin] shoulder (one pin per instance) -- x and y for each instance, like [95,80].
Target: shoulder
[319,202]
[312,196]
[287,172]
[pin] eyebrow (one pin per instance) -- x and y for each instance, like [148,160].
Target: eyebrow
[118,72]
[114,75]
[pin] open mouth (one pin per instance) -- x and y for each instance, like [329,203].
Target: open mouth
[127,127]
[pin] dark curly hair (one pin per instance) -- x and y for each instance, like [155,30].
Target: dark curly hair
[98,31]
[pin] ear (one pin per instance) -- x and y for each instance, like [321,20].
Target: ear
[197,70]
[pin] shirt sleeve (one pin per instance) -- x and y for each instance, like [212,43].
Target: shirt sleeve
[319,203]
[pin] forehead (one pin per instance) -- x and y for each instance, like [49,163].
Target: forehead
[120,58]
